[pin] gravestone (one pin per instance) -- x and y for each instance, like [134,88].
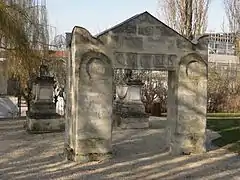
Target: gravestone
[90,131]
[129,109]
[42,116]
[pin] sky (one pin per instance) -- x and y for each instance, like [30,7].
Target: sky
[98,15]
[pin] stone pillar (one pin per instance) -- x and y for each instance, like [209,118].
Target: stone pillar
[171,107]
[90,99]
[187,119]
[42,116]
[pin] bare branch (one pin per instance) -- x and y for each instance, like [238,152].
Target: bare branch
[188,17]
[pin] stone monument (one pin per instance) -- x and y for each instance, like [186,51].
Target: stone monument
[42,116]
[142,43]
[89,100]
[129,108]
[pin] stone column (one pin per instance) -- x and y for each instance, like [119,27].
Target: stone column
[171,107]
[90,99]
[187,119]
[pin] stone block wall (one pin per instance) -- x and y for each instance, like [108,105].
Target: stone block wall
[144,43]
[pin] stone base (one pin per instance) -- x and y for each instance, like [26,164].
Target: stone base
[56,124]
[89,150]
[134,123]
[188,144]
[84,158]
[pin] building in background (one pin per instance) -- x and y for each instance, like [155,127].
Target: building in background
[222,53]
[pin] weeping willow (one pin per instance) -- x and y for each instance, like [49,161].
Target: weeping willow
[21,49]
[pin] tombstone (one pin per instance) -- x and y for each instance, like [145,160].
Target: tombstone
[143,43]
[129,109]
[89,96]
[42,116]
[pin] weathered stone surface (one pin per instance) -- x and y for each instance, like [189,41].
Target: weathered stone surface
[148,61]
[146,30]
[42,116]
[181,43]
[53,124]
[189,136]
[89,127]
[133,42]
[128,28]
[142,42]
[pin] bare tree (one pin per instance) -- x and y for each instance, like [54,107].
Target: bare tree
[188,17]
[232,9]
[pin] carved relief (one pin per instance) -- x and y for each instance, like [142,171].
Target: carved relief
[95,84]
[144,60]
[195,70]
[120,58]
[132,60]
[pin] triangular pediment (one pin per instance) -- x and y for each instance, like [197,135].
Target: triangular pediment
[130,26]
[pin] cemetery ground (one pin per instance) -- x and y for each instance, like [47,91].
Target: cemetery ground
[137,154]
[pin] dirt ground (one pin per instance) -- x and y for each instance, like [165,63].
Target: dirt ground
[138,155]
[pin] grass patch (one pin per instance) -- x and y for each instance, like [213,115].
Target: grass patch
[227,115]
[218,115]
[230,132]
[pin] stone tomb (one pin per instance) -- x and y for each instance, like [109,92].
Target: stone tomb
[128,109]
[141,42]
[42,116]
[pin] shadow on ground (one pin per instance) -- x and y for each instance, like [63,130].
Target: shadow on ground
[138,154]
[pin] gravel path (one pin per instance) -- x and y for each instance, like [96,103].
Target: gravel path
[138,155]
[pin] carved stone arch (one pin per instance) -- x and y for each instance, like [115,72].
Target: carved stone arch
[193,66]
[96,63]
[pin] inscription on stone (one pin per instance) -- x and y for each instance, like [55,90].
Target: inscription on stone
[120,58]
[145,61]
[95,96]
[132,60]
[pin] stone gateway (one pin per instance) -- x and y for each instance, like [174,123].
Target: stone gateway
[141,42]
